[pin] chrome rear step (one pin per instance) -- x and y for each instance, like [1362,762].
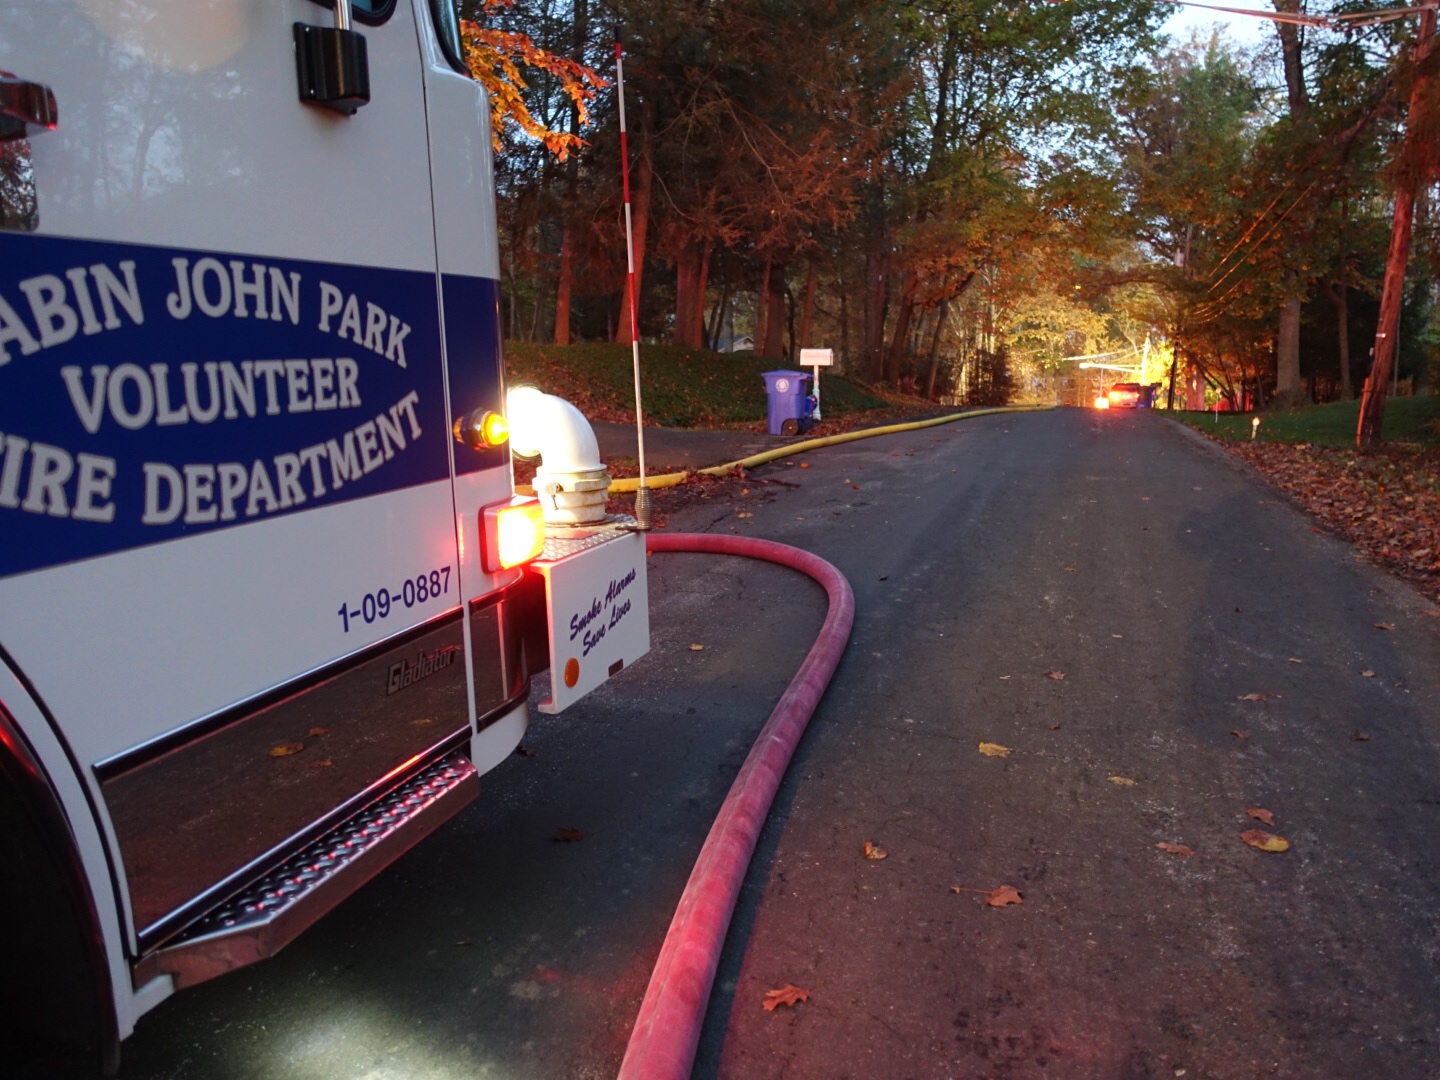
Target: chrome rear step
[272,912]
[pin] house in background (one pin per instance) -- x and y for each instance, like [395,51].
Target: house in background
[739,343]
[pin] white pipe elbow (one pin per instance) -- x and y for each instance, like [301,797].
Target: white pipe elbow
[551,428]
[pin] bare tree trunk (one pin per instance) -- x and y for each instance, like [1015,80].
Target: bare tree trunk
[877,272]
[717,319]
[688,298]
[697,337]
[1372,402]
[775,315]
[809,306]
[640,220]
[562,286]
[1288,390]
[901,333]
[762,308]
[941,318]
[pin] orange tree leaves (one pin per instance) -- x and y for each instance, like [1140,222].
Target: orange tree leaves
[495,59]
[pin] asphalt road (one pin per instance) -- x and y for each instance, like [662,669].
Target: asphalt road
[1166,583]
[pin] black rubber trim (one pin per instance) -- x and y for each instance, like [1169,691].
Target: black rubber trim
[206,725]
[20,763]
[29,687]
[446,46]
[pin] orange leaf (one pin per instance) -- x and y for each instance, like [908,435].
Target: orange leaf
[874,851]
[1004,896]
[789,994]
[1056,675]
[994,749]
[316,732]
[1121,781]
[1265,841]
[1239,734]
[286,749]
[1265,817]
[1175,849]
[1384,626]
[318,763]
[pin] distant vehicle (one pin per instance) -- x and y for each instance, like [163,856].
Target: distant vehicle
[1128,395]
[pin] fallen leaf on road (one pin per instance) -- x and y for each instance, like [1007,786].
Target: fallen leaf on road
[743,514]
[1004,896]
[804,464]
[1261,815]
[1121,781]
[1175,849]
[855,487]
[524,751]
[994,749]
[1004,677]
[696,648]
[744,491]
[316,732]
[1056,675]
[1069,569]
[1256,697]
[1384,626]
[286,749]
[788,994]
[1239,734]
[1296,660]
[1264,841]
[318,763]
[874,852]
[568,836]
[1054,727]
[423,721]
[1367,674]
[1361,736]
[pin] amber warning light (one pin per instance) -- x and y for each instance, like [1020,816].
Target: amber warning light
[511,533]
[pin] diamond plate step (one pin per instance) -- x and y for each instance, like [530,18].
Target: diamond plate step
[267,916]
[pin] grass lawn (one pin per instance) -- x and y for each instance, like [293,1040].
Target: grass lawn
[1408,420]
[681,387]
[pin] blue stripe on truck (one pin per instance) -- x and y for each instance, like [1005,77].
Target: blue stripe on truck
[151,393]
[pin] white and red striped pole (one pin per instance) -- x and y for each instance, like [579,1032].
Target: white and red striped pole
[642,493]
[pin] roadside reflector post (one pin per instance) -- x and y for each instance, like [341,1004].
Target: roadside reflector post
[642,492]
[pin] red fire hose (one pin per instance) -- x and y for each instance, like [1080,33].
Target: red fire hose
[667,1030]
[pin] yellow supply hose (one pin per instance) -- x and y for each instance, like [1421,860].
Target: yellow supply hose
[629,484]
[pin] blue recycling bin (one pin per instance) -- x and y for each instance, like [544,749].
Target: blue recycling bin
[788,402]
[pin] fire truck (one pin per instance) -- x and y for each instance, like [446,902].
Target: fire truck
[269,603]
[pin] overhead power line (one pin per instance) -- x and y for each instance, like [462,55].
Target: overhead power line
[1323,22]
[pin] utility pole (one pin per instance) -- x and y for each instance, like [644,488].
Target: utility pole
[1413,165]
